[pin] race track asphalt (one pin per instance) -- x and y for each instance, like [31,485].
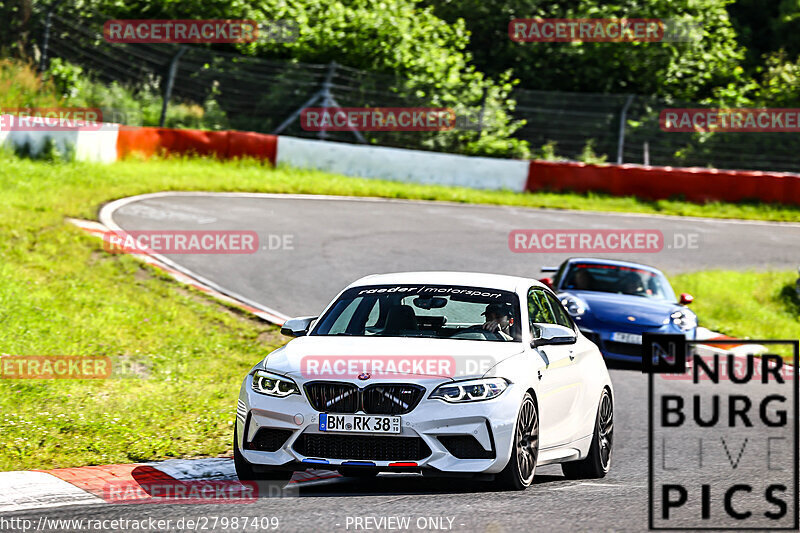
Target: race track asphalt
[335,241]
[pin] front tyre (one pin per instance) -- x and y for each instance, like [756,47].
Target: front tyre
[598,462]
[518,473]
[245,472]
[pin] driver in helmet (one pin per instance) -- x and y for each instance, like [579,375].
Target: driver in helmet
[499,320]
[632,284]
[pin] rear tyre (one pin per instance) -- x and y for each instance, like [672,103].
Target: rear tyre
[598,462]
[518,473]
[245,472]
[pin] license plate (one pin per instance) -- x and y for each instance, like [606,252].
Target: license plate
[630,338]
[359,423]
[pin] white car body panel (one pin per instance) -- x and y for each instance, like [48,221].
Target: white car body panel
[567,393]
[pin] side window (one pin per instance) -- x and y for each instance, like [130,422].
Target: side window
[538,308]
[562,318]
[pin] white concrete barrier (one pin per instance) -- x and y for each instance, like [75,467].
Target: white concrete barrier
[398,164]
[88,144]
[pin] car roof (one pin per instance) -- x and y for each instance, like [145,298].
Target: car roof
[595,261]
[470,279]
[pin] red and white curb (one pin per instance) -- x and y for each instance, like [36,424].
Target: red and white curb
[89,485]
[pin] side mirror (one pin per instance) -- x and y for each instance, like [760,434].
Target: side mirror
[686,298]
[547,281]
[297,327]
[545,334]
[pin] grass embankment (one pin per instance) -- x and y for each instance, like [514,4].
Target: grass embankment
[755,305]
[185,355]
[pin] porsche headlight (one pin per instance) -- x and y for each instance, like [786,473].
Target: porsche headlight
[273,384]
[470,391]
[685,320]
[574,306]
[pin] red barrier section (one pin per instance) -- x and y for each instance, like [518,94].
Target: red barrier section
[246,143]
[221,144]
[692,184]
[144,141]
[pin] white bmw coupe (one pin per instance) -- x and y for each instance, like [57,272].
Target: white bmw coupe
[433,372]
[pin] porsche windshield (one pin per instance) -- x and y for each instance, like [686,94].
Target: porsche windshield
[437,311]
[618,279]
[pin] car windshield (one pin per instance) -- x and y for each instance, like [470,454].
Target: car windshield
[617,279]
[437,311]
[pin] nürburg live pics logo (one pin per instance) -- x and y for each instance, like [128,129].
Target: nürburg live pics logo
[723,433]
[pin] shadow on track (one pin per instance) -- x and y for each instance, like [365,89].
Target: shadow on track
[623,365]
[414,485]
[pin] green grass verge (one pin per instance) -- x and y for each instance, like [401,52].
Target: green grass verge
[756,305]
[185,355]
[106,182]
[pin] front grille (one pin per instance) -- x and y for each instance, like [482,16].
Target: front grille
[269,439]
[623,348]
[390,399]
[333,397]
[361,447]
[379,399]
[465,447]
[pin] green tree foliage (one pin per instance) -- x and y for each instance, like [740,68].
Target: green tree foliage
[764,27]
[687,71]
[454,45]
[14,20]
[458,53]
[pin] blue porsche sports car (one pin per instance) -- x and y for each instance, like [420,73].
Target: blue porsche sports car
[614,302]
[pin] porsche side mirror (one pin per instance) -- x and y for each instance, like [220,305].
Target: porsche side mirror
[297,327]
[546,334]
[686,298]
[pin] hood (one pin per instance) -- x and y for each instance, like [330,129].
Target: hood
[344,358]
[616,308]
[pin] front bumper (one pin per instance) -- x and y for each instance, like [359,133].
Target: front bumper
[622,351]
[490,423]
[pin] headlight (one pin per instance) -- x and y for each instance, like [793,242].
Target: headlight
[273,384]
[685,320]
[575,306]
[470,391]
